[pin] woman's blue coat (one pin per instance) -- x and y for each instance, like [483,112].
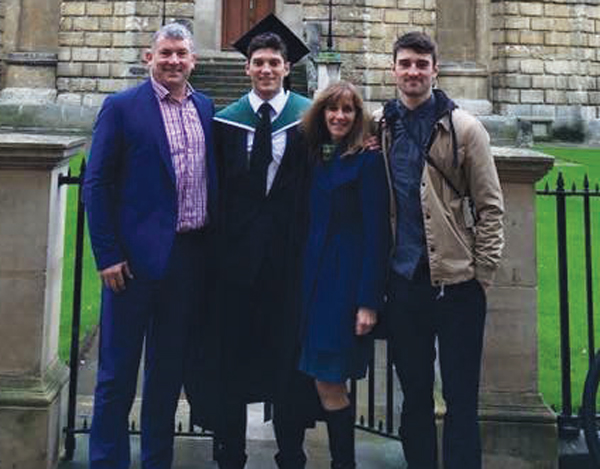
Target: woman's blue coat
[346,254]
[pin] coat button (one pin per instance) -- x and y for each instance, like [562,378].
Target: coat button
[432,249]
[428,216]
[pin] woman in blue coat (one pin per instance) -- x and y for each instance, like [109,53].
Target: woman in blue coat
[345,257]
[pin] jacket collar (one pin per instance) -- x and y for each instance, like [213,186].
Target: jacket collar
[444,107]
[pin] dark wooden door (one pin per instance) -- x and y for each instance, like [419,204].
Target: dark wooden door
[240,15]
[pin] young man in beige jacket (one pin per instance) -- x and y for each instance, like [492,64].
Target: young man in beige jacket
[447,213]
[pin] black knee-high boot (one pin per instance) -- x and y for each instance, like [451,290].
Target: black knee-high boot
[340,427]
[290,442]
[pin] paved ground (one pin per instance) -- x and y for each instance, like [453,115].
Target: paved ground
[373,452]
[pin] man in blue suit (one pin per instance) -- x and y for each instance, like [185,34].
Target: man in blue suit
[150,192]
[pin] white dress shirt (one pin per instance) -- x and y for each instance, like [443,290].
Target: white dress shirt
[279,139]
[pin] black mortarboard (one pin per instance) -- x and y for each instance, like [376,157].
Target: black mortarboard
[296,49]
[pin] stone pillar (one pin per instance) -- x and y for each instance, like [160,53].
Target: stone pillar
[519,431]
[463,36]
[32,215]
[30,50]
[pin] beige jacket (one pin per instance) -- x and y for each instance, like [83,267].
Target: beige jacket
[456,252]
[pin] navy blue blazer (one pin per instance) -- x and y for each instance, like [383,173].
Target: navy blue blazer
[129,189]
[346,253]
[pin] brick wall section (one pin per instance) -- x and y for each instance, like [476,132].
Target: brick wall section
[364,33]
[102,44]
[546,58]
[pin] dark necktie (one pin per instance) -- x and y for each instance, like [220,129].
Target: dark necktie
[261,155]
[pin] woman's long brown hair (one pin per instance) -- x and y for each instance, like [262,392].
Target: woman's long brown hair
[315,127]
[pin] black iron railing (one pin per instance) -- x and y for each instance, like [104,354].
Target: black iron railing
[380,419]
[77,279]
[568,420]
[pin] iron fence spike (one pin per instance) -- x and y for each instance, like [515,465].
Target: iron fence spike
[560,182]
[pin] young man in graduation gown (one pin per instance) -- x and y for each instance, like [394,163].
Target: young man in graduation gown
[259,161]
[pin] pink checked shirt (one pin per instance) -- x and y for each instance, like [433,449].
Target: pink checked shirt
[188,153]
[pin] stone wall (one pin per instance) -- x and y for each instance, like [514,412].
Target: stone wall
[102,44]
[532,58]
[364,32]
[546,61]
[1,39]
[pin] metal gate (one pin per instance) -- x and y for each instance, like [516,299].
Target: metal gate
[377,406]
[586,203]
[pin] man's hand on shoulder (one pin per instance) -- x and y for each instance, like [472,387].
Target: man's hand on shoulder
[371,142]
[115,276]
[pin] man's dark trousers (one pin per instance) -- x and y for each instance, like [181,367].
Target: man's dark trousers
[164,312]
[418,313]
[252,355]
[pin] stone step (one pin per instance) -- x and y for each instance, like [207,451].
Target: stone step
[222,86]
[215,74]
[224,92]
[221,79]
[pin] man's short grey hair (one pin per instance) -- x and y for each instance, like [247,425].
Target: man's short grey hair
[174,31]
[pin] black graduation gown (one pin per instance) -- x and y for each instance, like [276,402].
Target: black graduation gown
[253,329]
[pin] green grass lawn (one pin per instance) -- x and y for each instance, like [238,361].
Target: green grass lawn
[90,298]
[574,163]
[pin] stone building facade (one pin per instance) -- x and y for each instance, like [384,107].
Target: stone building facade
[546,59]
[102,45]
[536,60]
